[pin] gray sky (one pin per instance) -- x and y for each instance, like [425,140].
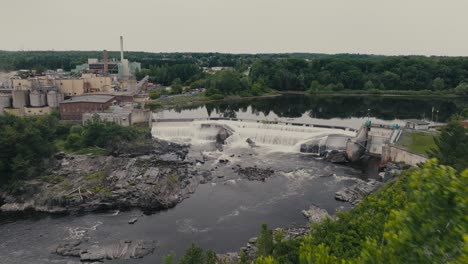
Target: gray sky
[428,27]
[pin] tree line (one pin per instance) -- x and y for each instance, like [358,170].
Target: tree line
[367,73]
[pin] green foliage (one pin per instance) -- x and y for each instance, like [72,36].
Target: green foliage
[320,254]
[153,105]
[226,83]
[287,251]
[169,259]
[196,255]
[452,146]
[369,85]
[265,241]
[76,129]
[438,83]
[315,87]
[462,89]
[74,142]
[198,84]
[362,72]
[105,134]
[24,144]
[279,236]
[176,86]
[243,259]
[265,260]
[430,228]
[464,113]
[155,94]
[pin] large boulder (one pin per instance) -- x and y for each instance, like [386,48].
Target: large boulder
[355,193]
[315,214]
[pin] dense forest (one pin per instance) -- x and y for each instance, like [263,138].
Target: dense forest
[254,74]
[382,73]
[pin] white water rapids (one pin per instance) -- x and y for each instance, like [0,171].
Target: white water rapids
[277,137]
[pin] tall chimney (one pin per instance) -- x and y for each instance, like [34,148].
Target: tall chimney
[121,49]
[106,62]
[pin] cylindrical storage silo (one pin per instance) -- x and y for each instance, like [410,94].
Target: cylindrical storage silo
[20,98]
[38,99]
[52,99]
[60,97]
[5,100]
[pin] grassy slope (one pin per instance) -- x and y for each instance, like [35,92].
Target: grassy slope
[417,142]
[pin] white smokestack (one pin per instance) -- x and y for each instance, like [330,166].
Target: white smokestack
[121,49]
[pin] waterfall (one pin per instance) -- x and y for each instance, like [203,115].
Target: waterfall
[286,137]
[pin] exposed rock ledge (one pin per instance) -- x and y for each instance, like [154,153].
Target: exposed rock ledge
[355,193]
[154,176]
[127,249]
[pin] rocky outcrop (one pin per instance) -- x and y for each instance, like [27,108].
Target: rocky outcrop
[128,249]
[355,193]
[315,214]
[253,173]
[155,177]
[336,157]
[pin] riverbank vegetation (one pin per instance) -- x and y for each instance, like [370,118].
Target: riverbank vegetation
[28,143]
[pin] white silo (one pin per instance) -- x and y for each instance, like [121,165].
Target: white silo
[52,99]
[5,102]
[20,98]
[38,98]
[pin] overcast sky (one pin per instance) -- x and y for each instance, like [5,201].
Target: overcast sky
[427,27]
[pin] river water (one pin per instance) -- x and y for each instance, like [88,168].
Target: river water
[224,214]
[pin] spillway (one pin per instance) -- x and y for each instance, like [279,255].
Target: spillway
[279,137]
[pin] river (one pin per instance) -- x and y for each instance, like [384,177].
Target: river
[225,213]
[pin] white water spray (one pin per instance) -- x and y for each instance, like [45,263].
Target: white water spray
[278,137]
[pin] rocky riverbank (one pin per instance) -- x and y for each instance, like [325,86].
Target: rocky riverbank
[152,176]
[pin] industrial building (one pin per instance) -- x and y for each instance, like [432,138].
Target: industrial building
[74,108]
[122,70]
[39,95]
[124,116]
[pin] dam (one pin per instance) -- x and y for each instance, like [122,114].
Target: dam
[278,136]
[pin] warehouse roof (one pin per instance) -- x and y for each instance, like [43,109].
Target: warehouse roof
[89,99]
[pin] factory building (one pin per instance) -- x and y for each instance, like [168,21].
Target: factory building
[74,108]
[122,70]
[36,95]
[123,115]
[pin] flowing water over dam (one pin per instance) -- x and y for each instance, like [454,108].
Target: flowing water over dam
[276,137]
